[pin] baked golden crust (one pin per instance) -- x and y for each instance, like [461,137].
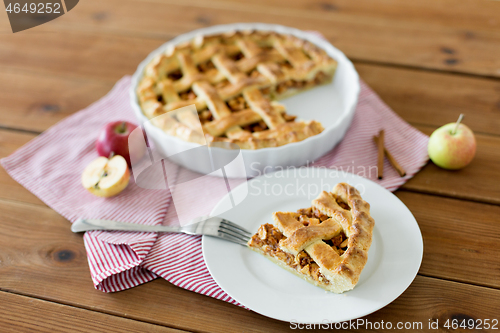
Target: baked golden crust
[335,233]
[233,80]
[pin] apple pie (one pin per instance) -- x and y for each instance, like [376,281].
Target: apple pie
[234,80]
[326,244]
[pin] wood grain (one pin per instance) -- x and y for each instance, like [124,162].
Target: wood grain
[434,99]
[33,101]
[25,314]
[75,54]
[433,300]
[460,238]
[447,35]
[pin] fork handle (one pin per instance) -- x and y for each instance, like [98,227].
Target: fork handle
[93,224]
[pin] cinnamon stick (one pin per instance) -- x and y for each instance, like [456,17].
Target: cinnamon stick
[380,162]
[392,160]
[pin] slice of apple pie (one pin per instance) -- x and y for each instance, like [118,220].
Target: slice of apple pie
[326,244]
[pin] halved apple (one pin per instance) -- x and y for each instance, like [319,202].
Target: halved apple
[106,177]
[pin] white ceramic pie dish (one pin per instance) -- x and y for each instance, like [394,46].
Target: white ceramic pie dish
[333,105]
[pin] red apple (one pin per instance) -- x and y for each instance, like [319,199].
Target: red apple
[452,146]
[113,140]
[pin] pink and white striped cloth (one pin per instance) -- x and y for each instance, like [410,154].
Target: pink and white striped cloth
[50,166]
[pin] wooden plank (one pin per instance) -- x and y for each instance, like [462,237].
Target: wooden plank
[446,35]
[460,238]
[477,181]
[435,99]
[33,101]
[433,300]
[75,54]
[445,13]
[25,314]
[50,263]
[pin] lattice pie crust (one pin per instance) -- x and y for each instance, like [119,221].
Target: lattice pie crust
[234,79]
[326,244]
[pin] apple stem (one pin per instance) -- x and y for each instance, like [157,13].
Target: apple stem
[458,123]
[122,127]
[111,155]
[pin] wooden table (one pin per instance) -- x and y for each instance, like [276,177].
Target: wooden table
[429,60]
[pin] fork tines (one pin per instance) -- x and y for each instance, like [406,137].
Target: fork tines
[234,232]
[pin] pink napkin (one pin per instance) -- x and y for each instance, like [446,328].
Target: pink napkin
[50,166]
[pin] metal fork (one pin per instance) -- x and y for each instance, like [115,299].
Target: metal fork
[204,225]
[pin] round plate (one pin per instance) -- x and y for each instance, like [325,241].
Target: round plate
[262,286]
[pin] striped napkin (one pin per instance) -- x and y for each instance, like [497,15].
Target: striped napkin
[50,166]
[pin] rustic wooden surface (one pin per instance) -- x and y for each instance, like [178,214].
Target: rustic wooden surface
[429,60]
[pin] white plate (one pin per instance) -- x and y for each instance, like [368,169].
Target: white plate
[257,283]
[333,105]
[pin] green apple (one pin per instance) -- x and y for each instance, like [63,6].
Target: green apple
[452,146]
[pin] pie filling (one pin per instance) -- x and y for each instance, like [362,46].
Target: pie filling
[237,56]
[175,75]
[205,66]
[236,104]
[268,237]
[339,242]
[319,79]
[187,95]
